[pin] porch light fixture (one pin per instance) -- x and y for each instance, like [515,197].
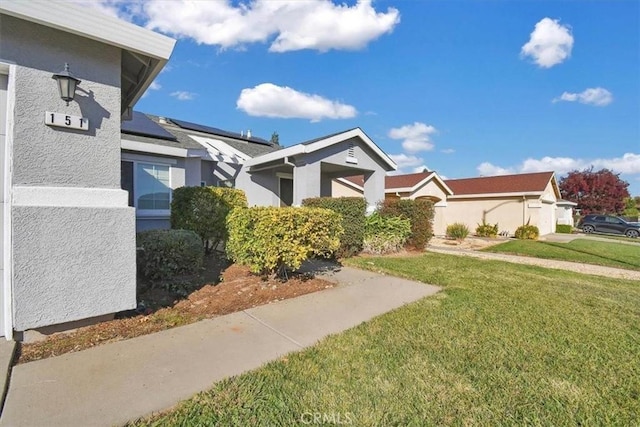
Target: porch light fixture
[67,83]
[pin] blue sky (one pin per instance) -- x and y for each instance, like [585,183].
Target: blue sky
[465,88]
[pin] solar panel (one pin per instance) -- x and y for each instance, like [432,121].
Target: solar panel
[140,124]
[216,131]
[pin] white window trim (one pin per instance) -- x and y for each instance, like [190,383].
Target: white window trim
[150,213]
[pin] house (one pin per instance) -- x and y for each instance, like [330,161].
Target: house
[160,154]
[508,200]
[68,234]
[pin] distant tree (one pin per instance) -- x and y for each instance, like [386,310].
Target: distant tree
[275,138]
[630,207]
[595,192]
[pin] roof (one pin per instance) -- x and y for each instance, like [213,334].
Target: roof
[409,180]
[144,52]
[184,138]
[519,183]
[323,142]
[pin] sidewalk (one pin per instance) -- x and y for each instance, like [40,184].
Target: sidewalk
[115,383]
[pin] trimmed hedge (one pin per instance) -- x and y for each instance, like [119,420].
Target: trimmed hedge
[353,211]
[385,234]
[487,230]
[271,240]
[419,212]
[204,210]
[458,231]
[563,228]
[163,255]
[527,232]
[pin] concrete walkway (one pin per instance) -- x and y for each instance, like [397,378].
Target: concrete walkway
[114,383]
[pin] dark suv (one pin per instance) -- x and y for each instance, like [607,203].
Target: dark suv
[608,224]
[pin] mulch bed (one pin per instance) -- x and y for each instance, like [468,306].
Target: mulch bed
[237,290]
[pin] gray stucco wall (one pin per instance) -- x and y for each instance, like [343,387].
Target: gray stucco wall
[72,263]
[51,156]
[69,262]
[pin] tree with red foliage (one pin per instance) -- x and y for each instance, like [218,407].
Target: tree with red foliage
[595,192]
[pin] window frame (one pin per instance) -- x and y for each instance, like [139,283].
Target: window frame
[155,162]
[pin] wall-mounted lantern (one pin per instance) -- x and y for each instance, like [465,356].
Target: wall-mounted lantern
[67,83]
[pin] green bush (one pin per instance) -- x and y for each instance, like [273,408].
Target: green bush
[563,228]
[270,240]
[458,231]
[353,211]
[419,212]
[527,232]
[385,234]
[204,210]
[487,230]
[163,255]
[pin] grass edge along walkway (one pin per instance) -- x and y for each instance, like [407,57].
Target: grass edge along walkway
[502,344]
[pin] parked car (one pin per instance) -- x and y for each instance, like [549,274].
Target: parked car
[608,224]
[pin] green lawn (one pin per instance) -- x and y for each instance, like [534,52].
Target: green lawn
[579,250]
[502,344]
[617,237]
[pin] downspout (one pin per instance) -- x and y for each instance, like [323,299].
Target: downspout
[7,243]
[295,185]
[524,210]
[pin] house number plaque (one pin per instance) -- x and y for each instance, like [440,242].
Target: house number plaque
[66,121]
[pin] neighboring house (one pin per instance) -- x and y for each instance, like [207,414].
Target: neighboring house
[564,212]
[508,200]
[68,234]
[161,154]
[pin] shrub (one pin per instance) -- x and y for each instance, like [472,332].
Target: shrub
[385,234]
[527,232]
[457,231]
[164,255]
[204,210]
[418,212]
[270,240]
[487,230]
[563,228]
[353,211]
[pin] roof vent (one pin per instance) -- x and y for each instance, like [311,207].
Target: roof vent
[162,120]
[249,133]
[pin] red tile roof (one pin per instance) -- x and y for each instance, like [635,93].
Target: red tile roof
[404,181]
[520,183]
[357,179]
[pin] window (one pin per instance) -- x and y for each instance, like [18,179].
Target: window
[148,184]
[152,187]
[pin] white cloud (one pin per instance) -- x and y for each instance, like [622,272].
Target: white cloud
[629,163]
[550,43]
[406,162]
[592,96]
[287,24]
[415,136]
[269,100]
[448,151]
[155,85]
[182,95]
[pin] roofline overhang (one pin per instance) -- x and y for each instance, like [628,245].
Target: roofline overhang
[494,195]
[145,147]
[350,184]
[420,184]
[298,149]
[96,26]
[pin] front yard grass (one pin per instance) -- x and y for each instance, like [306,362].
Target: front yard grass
[502,344]
[579,250]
